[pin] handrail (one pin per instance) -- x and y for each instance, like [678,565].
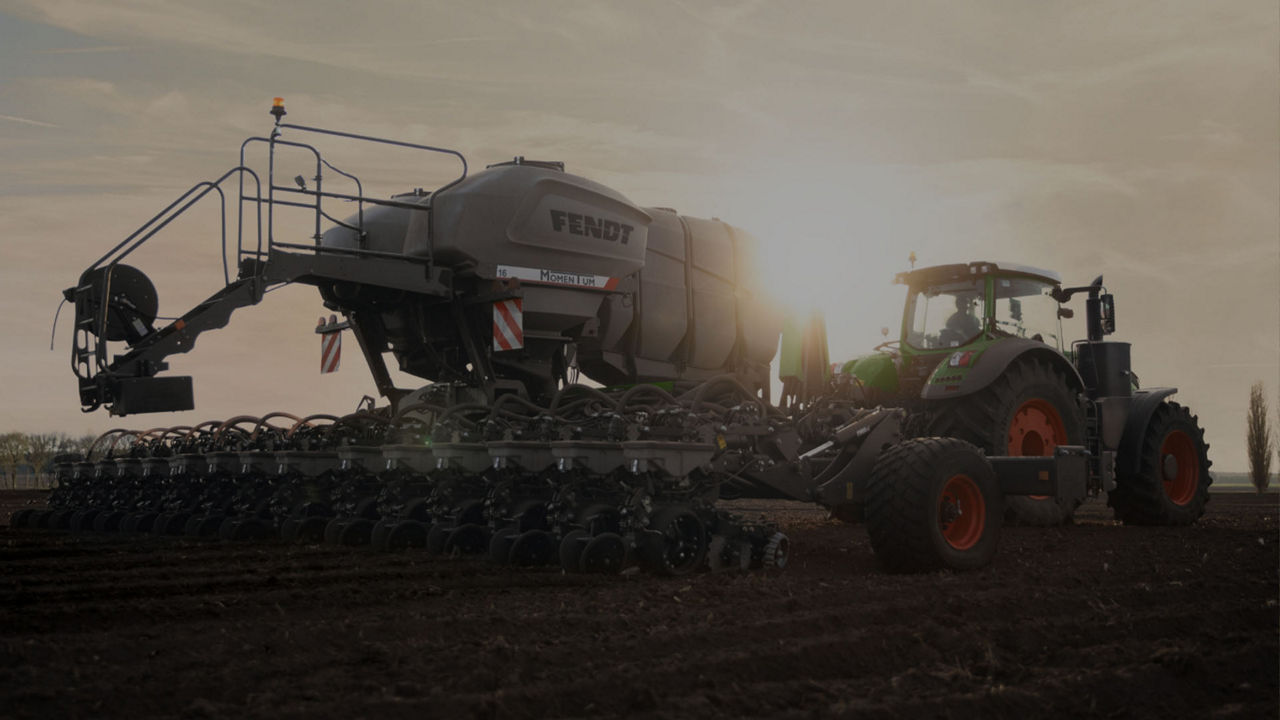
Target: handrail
[386,141]
[90,358]
[137,238]
[208,185]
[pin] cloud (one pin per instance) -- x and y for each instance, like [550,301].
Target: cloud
[27,121]
[83,50]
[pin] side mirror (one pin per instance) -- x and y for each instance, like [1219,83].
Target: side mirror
[1066,313]
[1107,309]
[1015,309]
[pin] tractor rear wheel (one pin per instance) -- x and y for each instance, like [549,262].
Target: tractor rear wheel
[1028,411]
[933,503]
[1172,483]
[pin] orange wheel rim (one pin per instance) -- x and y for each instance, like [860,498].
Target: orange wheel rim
[962,513]
[1179,467]
[1036,429]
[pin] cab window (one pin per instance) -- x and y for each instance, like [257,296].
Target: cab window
[946,316]
[1024,308]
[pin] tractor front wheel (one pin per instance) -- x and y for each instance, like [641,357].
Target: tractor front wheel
[1171,486]
[932,504]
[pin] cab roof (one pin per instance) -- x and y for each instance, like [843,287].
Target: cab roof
[936,274]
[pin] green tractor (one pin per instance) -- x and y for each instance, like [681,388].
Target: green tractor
[982,358]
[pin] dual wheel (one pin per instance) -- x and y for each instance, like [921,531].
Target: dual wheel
[933,504]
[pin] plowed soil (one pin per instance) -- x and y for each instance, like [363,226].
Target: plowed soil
[1092,619]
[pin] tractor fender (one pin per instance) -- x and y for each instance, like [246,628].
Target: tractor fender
[1142,407]
[987,365]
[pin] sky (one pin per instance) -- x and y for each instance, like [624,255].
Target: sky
[1137,140]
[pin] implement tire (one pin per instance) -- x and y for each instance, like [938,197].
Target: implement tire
[19,518]
[933,504]
[675,543]
[1172,483]
[1027,411]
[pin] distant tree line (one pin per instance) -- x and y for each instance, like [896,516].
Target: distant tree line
[34,453]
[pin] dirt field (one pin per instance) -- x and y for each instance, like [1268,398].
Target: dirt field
[1092,619]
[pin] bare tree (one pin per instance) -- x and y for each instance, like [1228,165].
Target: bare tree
[80,444]
[13,452]
[41,447]
[1260,440]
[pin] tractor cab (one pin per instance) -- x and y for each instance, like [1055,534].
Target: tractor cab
[955,312]
[953,306]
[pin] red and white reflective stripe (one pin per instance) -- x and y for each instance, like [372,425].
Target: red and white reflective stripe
[330,351]
[508,324]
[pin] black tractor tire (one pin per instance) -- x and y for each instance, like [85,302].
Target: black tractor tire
[676,543]
[933,504]
[1011,416]
[1171,486]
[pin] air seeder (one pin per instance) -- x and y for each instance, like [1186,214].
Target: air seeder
[502,287]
